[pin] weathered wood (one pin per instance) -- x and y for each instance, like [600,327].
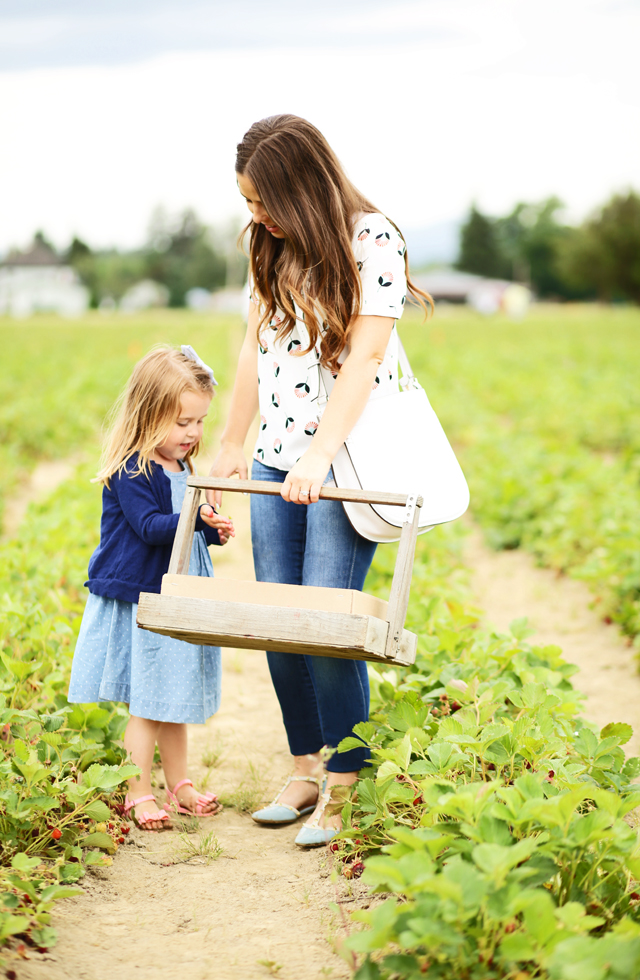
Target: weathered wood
[245,625]
[356,496]
[183,541]
[275,594]
[370,630]
[401,584]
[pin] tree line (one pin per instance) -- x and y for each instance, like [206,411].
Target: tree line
[600,259]
[181,252]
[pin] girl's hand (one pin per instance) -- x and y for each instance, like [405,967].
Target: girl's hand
[304,481]
[229,461]
[223,525]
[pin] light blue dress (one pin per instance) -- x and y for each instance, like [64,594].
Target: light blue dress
[158,677]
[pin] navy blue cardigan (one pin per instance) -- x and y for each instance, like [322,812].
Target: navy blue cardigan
[136,535]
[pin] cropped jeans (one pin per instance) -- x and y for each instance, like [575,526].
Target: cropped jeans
[321,698]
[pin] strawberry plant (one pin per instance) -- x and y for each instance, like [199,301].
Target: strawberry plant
[492,817]
[543,414]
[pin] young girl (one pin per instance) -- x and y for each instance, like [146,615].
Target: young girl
[166,683]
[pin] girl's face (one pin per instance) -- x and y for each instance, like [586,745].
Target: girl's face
[187,429]
[255,205]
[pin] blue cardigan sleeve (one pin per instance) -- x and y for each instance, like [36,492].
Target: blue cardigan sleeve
[140,507]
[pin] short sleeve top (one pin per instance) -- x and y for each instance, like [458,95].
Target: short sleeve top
[289,385]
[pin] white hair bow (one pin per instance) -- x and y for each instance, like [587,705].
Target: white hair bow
[189,352]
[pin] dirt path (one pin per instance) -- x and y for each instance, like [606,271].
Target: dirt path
[508,585]
[260,909]
[43,480]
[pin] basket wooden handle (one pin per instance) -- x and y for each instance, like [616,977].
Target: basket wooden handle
[326,493]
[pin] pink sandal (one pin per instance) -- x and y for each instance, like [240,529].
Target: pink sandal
[203,800]
[146,816]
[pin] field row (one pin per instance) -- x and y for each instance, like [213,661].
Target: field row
[58,380]
[544,417]
[494,821]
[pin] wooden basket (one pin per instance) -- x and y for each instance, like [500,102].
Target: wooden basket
[288,618]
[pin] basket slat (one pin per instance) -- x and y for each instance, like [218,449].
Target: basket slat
[244,625]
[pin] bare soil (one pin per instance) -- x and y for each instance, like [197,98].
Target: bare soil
[508,585]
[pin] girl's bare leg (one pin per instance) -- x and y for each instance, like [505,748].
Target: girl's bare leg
[172,742]
[139,741]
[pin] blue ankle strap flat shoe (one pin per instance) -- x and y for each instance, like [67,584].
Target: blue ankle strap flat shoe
[312,834]
[282,813]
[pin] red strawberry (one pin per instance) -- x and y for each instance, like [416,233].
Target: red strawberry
[56,834]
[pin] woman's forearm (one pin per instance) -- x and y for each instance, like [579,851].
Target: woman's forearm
[353,385]
[349,396]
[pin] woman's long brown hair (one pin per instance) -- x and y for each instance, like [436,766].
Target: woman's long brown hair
[306,192]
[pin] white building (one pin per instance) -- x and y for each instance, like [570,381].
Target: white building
[145,295]
[37,281]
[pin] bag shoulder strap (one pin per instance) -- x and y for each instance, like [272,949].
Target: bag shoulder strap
[407,377]
[407,371]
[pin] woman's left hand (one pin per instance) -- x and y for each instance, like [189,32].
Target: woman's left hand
[304,481]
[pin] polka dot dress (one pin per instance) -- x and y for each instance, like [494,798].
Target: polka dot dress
[160,678]
[289,385]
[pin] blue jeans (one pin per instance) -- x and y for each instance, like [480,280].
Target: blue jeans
[321,698]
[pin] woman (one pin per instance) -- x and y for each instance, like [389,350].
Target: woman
[328,279]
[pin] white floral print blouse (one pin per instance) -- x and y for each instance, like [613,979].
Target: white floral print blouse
[289,385]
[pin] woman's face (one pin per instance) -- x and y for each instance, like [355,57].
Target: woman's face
[255,205]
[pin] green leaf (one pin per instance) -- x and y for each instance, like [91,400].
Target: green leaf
[387,770]
[520,628]
[101,840]
[98,718]
[349,743]
[95,859]
[108,777]
[405,716]
[618,730]
[20,668]
[22,862]
[55,892]
[11,925]
[97,810]
[52,738]
[440,753]
[517,948]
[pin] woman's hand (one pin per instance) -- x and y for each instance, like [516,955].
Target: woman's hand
[223,525]
[303,482]
[229,461]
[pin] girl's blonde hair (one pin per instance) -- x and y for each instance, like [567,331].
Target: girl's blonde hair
[147,409]
[306,192]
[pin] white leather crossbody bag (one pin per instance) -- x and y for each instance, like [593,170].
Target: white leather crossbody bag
[399,446]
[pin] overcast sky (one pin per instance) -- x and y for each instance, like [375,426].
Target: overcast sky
[111,107]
